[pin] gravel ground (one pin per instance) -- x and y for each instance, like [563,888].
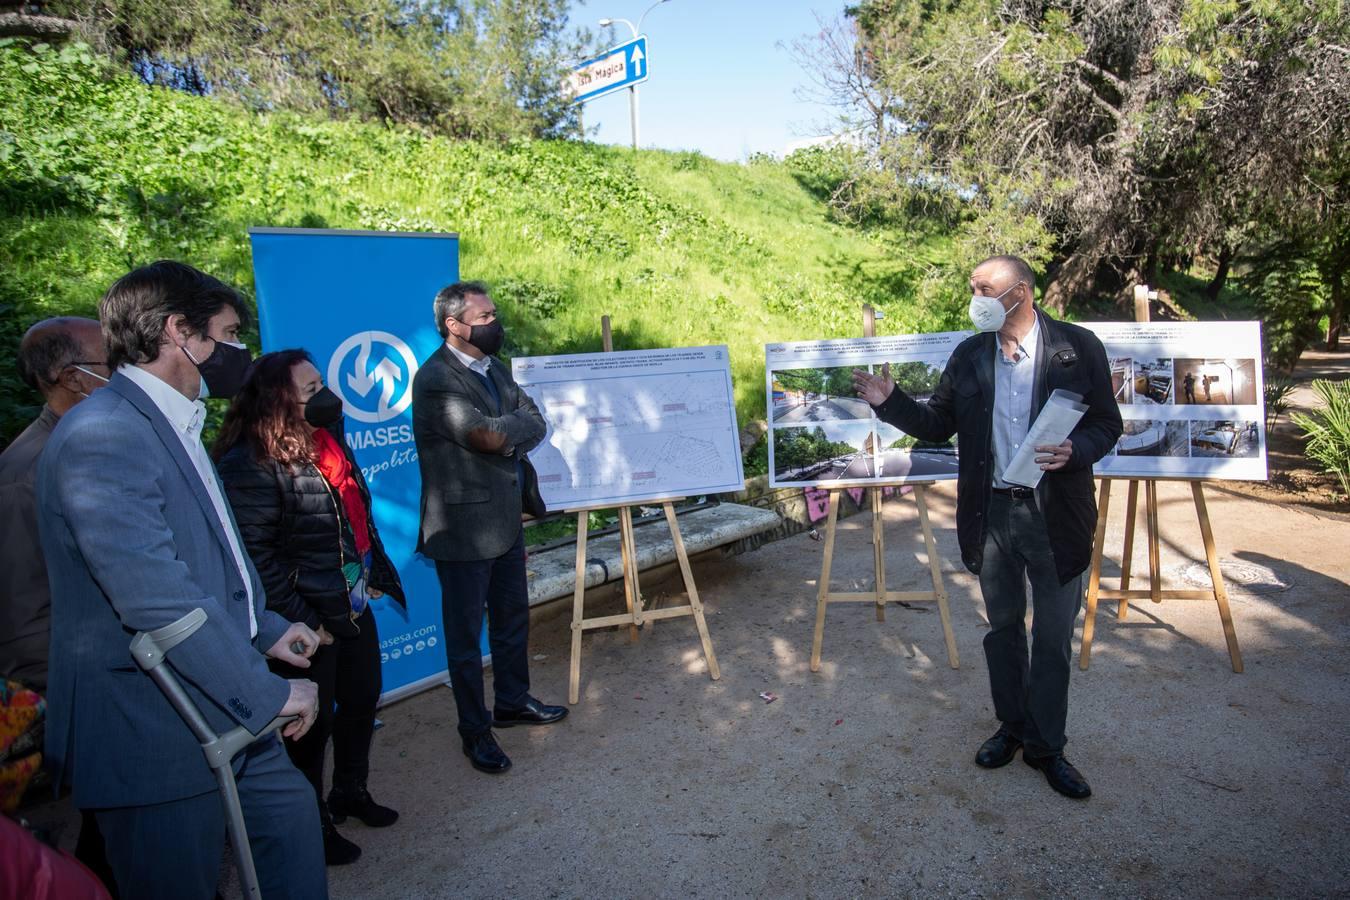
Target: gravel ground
[859,780]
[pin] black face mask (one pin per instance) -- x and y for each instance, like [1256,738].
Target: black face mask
[323,409]
[487,338]
[224,370]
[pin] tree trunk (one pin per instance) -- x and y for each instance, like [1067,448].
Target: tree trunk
[1337,314]
[1221,275]
[1075,277]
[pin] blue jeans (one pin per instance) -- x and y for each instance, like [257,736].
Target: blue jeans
[1031,693]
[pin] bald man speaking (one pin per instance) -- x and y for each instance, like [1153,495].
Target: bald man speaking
[993,388]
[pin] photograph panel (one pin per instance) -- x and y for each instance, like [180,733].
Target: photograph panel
[801,396]
[904,456]
[917,378]
[1215,382]
[1225,438]
[830,451]
[1151,437]
[1153,382]
[1122,379]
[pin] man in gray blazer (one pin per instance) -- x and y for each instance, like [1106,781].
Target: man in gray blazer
[136,534]
[473,426]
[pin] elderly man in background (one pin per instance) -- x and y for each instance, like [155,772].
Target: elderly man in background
[64,361]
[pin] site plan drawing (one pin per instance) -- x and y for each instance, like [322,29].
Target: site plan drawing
[821,434]
[633,426]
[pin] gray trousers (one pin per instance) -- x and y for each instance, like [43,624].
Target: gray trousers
[1030,692]
[172,851]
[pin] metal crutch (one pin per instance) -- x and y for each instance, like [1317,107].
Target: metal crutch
[149,648]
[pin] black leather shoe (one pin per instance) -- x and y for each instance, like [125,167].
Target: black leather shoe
[1062,776]
[485,754]
[999,750]
[532,713]
[357,802]
[337,850]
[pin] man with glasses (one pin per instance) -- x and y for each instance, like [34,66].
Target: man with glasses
[64,361]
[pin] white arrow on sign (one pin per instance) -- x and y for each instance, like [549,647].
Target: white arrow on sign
[363,380]
[636,61]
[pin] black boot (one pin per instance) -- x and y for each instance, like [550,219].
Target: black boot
[337,850]
[356,801]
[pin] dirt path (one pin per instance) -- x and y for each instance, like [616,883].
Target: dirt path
[858,781]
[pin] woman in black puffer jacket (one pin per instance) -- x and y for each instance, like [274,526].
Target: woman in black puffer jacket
[303,510]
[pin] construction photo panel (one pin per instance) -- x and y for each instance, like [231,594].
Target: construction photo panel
[1191,397]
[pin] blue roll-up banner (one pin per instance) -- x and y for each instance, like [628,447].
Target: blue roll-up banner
[360,303]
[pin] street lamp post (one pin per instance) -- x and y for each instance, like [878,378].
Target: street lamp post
[632,89]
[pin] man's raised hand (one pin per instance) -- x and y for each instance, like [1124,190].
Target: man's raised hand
[874,388]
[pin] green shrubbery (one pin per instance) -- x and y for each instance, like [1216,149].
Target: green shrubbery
[1328,430]
[99,173]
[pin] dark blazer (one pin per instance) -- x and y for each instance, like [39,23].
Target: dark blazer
[467,451]
[133,542]
[295,528]
[1067,357]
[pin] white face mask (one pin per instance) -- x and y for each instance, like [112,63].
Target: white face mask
[988,313]
[91,375]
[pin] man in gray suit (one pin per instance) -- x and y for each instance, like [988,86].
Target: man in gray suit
[136,534]
[63,360]
[473,426]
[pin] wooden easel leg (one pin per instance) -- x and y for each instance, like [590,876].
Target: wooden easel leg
[1216,576]
[1095,575]
[935,571]
[688,573]
[631,591]
[1154,554]
[823,591]
[1127,553]
[578,598]
[878,553]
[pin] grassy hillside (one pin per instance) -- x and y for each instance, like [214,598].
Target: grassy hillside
[99,173]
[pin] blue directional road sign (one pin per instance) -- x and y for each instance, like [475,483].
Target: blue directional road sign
[617,68]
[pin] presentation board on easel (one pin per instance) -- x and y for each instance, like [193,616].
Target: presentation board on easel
[630,427]
[633,426]
[1191,395]
[822,435]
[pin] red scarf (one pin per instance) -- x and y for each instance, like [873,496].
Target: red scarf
[337,470]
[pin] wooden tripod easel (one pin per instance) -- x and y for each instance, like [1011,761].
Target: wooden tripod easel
[1155,591]
[632,593]
[880,595]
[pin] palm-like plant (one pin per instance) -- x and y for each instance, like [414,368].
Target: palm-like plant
[1328,429]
